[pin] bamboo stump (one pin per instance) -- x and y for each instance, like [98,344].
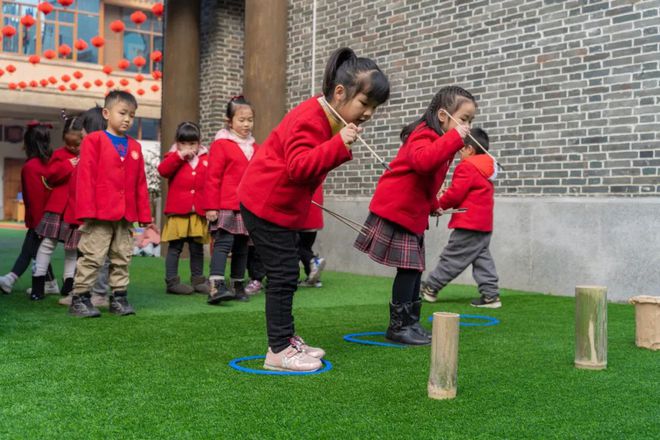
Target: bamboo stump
[444,356]
[591,327]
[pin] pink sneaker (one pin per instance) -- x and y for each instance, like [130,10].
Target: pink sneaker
[253,287]
[291,359]
[299,343]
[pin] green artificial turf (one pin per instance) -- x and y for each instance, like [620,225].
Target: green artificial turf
[163,373]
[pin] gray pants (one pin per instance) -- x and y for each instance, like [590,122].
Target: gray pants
[466,247]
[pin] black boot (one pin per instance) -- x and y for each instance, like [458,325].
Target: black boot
[400,329]
[81,306]
[38,287]
[239,291]
[218,292]
[67,287]
[416,308]
[119,304]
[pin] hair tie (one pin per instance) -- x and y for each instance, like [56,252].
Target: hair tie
[35,123]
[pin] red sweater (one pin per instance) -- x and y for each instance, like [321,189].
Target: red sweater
[185,193]
[408,194]
[107,187]
[58,176]
[282,177]
[472,188]
[227,164]
[35,193]
[315,216]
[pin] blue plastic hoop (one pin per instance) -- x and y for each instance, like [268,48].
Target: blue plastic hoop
[488,321]
[355,337]
[234,363]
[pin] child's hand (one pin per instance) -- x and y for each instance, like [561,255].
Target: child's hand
[349,134]
[74,161]
[437,213]
[463,130]
[186,153]
[145,225]
[211,216]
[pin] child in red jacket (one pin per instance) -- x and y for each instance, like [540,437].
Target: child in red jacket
[53,227]
[277,188]
[393,234]
[231,152]
[471,188]
[111,194]
[185,168]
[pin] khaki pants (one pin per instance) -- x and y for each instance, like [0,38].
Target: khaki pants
[100,239]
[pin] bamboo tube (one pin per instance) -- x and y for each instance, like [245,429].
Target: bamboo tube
[444,356]
[591,327]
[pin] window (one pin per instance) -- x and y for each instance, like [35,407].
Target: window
[145,129]
[142,40]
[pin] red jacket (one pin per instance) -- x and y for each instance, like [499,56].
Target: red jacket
[107,187]
[69,215]
[185,192]
[282,177]
[315,217]
[35,193]
[472,188]
[58,174]
[227,164]
[408,194]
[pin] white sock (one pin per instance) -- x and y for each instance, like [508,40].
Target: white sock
[216,277]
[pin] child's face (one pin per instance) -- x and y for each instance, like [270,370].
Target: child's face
[464,115]
[356,110]
[120,117]
[72,140]
[467,151]
[188,146]
[243,121]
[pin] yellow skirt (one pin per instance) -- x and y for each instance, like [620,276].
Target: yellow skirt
[186,226]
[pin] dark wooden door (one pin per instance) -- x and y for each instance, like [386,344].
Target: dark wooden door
[11,184]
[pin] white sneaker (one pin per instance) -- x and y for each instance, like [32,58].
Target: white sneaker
[7,283]
[52,288]
[291,359]
[299,343]
[317,265]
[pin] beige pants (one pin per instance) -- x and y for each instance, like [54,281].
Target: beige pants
[98,240]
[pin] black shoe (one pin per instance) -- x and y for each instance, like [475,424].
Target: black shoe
[487,302]
[415,310]
[400,329]
[119,304]
[239,291]
[67,287]
[81,306]
[38,288]
[219,292]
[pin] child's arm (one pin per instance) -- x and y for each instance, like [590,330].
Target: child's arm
[214,176]
[425,155]
[143,204]
[58,171]
[86,178]
[461,183]
[170,164]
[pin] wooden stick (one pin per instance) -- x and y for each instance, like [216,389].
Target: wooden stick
[373,152]
[338,216]
[591,327]
[475,141]
[443,376]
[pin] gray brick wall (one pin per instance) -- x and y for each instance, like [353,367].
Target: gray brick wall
[221,58]
[568,90]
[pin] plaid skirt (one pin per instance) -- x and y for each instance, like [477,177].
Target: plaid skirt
[230,221]
[389,244]
[52,226]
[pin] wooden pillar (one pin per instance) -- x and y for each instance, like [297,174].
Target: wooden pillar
[443,376]
[265,62]
[591,327]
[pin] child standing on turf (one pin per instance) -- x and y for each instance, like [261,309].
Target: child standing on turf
[471,188]
[111,194]
[393,234]
[276,191]
[185,168]
[231,152]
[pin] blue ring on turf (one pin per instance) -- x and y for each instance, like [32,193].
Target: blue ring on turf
[234,363]
[355,337]
[488,321]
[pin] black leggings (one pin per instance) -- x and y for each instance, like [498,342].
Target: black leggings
[406,286]
[223,243]
[196,257]
[28,252]
[306,240]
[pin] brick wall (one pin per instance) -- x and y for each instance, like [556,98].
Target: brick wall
[221,73]
[568,90]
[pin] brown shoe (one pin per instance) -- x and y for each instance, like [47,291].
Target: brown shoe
[200,284]
[100,300]
[291,359]
[175,287]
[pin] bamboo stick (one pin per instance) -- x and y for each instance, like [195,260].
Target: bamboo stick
[591,327]
[443,376]
[474,140]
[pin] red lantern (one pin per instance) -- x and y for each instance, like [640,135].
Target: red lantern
[139,78]
[65,3]
[80,45]
[52,80]
[156,56]
[2,72]
[62,88]
[8,31]
[73,86]
[87,84]
[98,41]
[110,83]
[34,84]
[123,64]
[45,8]
[11,68]
[107,69]
[77,74]
[123,82]
[155,88]
[158,10]
[138,17]
[28,21]
[140,92]
[44,83]
[13,86]
[34,59]
[117,26]
[50,54]
[98,83]
[64,50]
[139,62]
[157,74]
[22,84]
[66,78]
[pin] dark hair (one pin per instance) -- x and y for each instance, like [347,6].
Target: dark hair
[449,98]
[357,75]
[480,136]
[233,104]
[120,96]
[188,132]
[37,142]
[93,120]
[71,123]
